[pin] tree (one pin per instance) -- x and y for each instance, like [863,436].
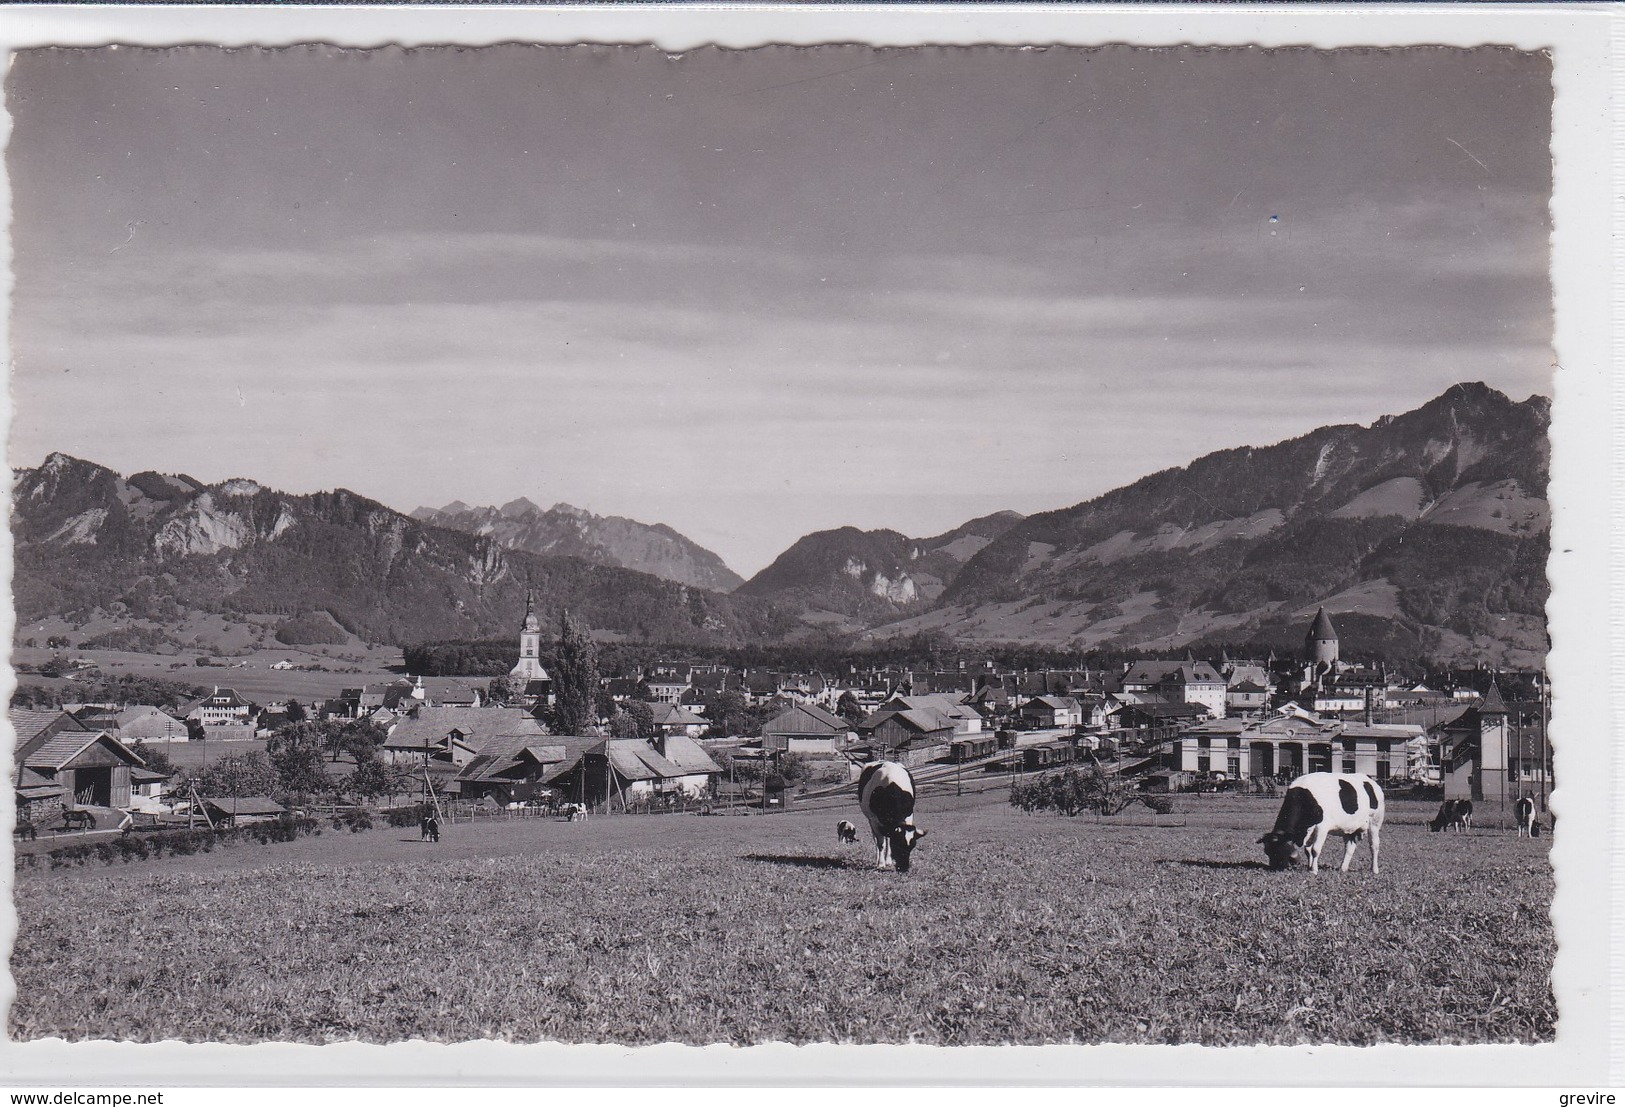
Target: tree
[156,759]
[296,712]
[500,690]
[848,707]
[374,778]
[249,774]
[623,725]
[575,680]
[296,752]
[729,714]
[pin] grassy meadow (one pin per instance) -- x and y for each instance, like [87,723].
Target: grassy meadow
[1010,929]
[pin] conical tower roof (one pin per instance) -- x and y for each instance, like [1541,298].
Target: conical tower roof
[531,625]
[1493,703]
[1322,630]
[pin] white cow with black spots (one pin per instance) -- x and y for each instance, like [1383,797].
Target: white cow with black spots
[886,796]
[1318,805]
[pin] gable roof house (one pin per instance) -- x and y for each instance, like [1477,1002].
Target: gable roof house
[1053,711]
[618,772]
[149,724]
[805,728]
[510,768]
[673,718]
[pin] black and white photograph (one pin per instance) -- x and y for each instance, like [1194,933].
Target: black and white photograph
[942,545]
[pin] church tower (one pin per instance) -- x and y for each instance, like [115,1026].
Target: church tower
[1320,644]
[530,646]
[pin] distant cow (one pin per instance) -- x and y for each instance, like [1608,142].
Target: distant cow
[846,832]
[1455,814]
[1525,810]
[574,812]
[886,796]
[1318,805]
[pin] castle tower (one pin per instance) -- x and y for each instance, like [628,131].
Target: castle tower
[1320,644]
[530,646]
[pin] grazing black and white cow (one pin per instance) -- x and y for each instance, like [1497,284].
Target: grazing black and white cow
[846,832]
[1454,814]
[886,795]
[1318,805]
[1525,810]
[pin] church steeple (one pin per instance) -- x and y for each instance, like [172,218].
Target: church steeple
[530,645]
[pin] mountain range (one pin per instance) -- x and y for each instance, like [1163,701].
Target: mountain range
[604,540]
[154,549]
[1424,533]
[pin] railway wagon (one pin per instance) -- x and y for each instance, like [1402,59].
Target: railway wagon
[1047,755]
[961,750]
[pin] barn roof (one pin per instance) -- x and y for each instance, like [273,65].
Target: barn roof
[635,759]
[245,805]
[31,785]
[29,722]
[671,714]
[479,726]
[60,750]
[688,756]
[505,754]
[804,718]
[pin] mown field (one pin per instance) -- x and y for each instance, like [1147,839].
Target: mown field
[1010,929]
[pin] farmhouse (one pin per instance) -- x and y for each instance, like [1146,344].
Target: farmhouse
[622,771]
[510,769]
[456,735]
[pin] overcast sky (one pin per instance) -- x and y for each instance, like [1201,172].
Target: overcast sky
[756,294]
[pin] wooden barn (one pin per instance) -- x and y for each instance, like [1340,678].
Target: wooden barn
[73,769]
[805,728]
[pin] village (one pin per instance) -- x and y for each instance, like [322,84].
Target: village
[705,737]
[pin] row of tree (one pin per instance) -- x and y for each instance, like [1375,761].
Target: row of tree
[337,758]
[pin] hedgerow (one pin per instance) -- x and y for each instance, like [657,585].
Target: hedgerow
[175,843]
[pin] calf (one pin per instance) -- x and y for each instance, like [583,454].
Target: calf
[886,796]
[1525,810]
[1318,805]
[1455,814]
[846,832]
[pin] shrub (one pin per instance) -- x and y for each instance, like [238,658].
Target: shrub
[355,820]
